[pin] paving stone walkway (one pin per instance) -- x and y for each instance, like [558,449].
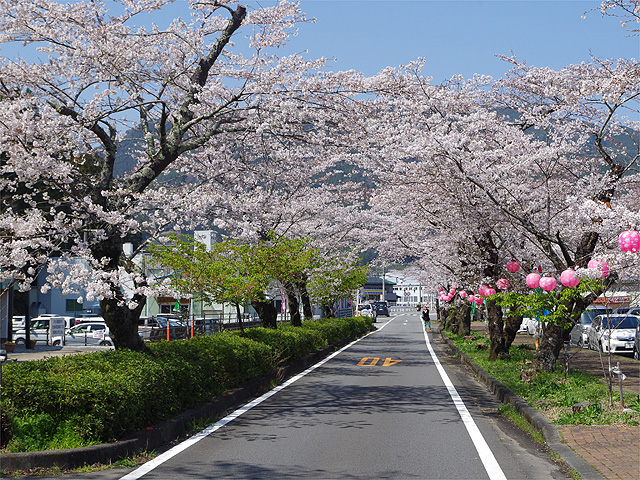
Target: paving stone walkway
[614,451]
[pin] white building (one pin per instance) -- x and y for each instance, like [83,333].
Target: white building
[410,291]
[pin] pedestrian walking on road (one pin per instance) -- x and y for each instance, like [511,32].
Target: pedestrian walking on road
[425,318]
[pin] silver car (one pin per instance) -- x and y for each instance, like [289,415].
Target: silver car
[579,336]
[87,333]
[613,333]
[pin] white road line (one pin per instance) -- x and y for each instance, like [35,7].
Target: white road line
[486,455]
[160,459]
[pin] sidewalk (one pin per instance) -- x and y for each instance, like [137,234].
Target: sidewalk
[612,450]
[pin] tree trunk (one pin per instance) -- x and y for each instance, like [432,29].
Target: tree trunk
[465,319]
[511,327]
[327,311]
[294,305]
[239,317]
[496,326]
[307,309]
[550,347]
[267,312]
[453,320]
[123,324]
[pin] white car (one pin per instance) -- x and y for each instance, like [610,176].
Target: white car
[613,333]
[528,325]
[39,330]
[366,310]
[18,322]
[87,333]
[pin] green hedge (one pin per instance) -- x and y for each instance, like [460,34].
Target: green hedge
[72,401]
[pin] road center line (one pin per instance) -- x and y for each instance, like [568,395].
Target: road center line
[486,455]
[172,452]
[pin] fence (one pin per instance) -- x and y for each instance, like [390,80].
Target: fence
[165,327]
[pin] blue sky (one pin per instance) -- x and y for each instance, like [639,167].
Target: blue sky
[459,37]
[454,36]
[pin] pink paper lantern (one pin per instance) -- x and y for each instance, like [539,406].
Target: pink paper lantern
[482,290]
[489,291]
[479,301]
[603,267]
[452,292]
[629,241]
[568,278]
[462,294]
[533,280]
[502,284]
[513,266]
[548,283]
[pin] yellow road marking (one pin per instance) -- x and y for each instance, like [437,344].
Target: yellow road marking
[373,361]
[388,362]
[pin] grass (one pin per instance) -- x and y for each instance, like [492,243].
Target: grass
[512,414]
[552,394]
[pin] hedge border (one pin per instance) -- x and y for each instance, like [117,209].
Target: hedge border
[165,432]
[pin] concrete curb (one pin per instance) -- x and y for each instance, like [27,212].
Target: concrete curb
[550,432]
[164,433]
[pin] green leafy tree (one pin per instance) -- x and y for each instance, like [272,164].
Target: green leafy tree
[289,262]
[237,273]
[333,282]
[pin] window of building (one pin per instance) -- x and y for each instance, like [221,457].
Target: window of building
[73,306]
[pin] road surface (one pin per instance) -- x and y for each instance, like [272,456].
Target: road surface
[384,407]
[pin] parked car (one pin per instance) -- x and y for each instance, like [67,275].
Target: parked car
[528,325]
[39,332]
[87,333]
[629,310]
[68,321]
[18,322]
[615,333]
[579,336]
[155,328]
[381,308]
[367,310]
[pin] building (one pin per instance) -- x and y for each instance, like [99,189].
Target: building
[372,291]
[409,291]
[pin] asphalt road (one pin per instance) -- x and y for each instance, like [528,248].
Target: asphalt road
[378,409]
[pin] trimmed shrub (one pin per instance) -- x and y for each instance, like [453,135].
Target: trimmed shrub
[72,401]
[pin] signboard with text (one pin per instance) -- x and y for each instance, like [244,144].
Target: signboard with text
[56,328]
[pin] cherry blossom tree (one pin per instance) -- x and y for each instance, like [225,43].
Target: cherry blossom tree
[627,10]
[194,88]
[532,171]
